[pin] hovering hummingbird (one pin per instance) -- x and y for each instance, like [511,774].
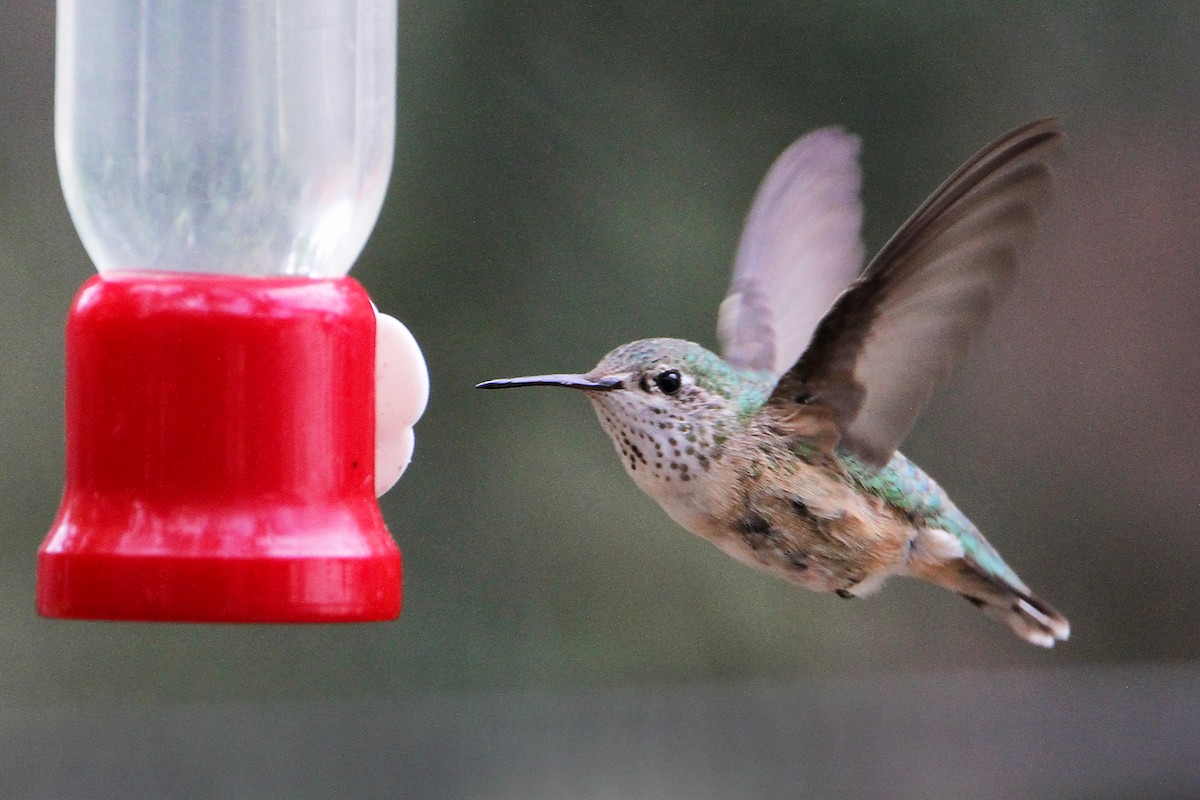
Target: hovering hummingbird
[783,453]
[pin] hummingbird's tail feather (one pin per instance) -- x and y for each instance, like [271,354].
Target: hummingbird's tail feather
[1009,603]
[1027,616]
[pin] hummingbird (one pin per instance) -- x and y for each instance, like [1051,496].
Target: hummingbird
[783,450]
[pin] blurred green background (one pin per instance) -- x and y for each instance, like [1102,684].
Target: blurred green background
[573,175]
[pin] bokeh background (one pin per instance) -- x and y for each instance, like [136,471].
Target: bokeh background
[572,175]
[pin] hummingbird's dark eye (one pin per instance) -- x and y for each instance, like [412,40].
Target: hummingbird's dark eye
[668,381]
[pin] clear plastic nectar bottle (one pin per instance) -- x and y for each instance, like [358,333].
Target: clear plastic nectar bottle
[226,136]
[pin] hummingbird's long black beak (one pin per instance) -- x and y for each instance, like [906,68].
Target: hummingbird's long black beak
[570,381]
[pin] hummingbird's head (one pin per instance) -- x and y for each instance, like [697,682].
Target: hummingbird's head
[667,404]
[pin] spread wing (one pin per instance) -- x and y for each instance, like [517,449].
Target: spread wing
[799,249]
[877,355]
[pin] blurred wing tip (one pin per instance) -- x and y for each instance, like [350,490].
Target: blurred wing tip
[1051,125]
[1041,132]
[836,132]
[832,137]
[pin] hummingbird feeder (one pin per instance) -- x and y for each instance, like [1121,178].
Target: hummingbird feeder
[224,163]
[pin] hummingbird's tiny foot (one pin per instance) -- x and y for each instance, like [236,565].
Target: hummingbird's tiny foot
[845,594]
[978,602]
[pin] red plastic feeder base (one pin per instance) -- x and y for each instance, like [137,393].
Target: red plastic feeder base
[220,455]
